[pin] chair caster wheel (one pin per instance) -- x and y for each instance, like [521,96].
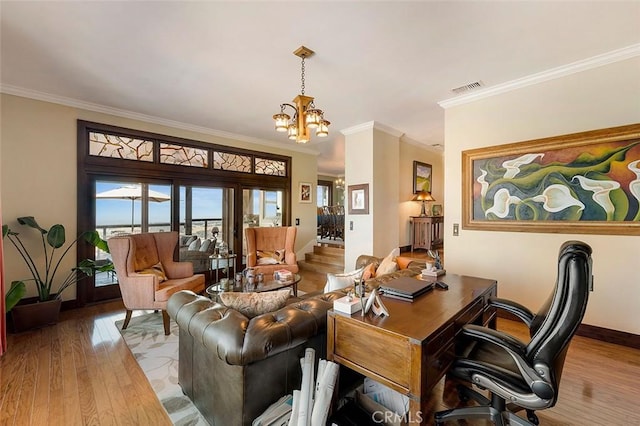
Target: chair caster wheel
[531,416]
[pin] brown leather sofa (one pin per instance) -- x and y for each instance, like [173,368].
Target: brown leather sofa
[233,367]
[407,268]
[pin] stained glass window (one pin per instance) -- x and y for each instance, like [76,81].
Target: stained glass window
[265,166]
[114,146]
[183,155]
[231,162]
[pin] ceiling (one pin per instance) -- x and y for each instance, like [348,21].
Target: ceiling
[224,67]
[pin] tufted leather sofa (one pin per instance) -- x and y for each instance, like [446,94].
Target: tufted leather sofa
[233,367]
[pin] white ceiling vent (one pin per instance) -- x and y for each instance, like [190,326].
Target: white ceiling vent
[468,87]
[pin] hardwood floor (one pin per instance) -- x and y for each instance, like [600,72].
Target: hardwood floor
[80,372]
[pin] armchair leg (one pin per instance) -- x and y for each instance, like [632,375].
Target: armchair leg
[165,322]
[127,318]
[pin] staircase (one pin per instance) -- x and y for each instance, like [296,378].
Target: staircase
[324,259]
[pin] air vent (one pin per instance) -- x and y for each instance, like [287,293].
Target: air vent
[467,87]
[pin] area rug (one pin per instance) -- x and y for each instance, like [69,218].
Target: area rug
[157,355]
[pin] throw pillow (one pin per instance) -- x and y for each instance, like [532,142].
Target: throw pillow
[254,304]
[195,245]
[369,271]
[338,281]
[270,257]
[403,262]
[388,264]
[207,246]
[156,270]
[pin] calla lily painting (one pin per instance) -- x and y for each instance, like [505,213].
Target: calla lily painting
[585,182]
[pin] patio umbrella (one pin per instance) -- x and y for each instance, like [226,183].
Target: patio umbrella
[132,192]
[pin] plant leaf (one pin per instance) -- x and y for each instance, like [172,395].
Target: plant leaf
[56,236]
[30,221]
[16,292]
[93,238]
[5,230]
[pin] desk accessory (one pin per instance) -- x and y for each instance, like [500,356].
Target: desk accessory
[375,304]
[347,304]
[442,285]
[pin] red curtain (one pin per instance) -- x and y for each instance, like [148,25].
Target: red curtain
[3,316]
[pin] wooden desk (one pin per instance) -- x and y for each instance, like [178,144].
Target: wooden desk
[412,348]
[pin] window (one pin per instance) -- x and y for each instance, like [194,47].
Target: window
[186,186]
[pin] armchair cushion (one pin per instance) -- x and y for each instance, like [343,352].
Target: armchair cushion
[254,304]
[156,270]
[275,257]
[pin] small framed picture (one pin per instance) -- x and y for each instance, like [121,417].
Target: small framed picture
[421,177]
[305,193]
[358,199]
[436,210]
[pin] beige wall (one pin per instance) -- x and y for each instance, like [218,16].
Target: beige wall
[525,263]
[38,168]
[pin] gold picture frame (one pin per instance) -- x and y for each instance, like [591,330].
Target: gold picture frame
[586,182]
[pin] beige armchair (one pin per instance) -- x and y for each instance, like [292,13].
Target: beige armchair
[264,243]
[147,273]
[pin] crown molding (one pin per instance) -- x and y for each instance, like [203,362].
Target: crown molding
[90,106]
[438,149]
[572,68]
[372,125]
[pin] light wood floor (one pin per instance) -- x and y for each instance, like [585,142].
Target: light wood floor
[80,372]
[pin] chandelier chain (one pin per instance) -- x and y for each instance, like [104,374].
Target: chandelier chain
[302,77]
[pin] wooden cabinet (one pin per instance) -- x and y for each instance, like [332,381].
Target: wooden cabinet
[427,232]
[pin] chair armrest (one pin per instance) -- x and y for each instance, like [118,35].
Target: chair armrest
[175,270]
[488,335]
[537,377]
[513,308]
[138,290]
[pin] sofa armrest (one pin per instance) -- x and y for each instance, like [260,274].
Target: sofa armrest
[240,340]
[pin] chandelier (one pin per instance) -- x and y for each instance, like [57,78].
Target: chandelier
[306,116]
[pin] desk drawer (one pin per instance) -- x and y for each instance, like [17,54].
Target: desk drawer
[374,350]
[470,315]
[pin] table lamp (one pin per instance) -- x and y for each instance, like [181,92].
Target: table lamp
[423,196]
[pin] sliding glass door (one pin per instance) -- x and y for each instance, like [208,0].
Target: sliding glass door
[206,222]
[126,207]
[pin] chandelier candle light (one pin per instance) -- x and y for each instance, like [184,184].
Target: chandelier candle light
[306,115]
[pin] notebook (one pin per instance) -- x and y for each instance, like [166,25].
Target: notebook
[406,287]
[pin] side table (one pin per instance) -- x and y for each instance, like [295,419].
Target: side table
[218,262]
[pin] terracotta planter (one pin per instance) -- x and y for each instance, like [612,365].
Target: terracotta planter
[35,315]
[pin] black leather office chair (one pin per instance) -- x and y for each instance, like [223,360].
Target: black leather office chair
[527,375]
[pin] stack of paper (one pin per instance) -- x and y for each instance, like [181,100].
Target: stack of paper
[433,273]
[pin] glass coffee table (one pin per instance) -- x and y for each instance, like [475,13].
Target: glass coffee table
[269,284]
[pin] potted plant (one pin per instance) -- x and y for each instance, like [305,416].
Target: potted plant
[43,274]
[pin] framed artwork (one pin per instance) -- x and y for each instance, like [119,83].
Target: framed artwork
[358,199]
[585,182]
[436,210]
[421,177]
[304,195]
